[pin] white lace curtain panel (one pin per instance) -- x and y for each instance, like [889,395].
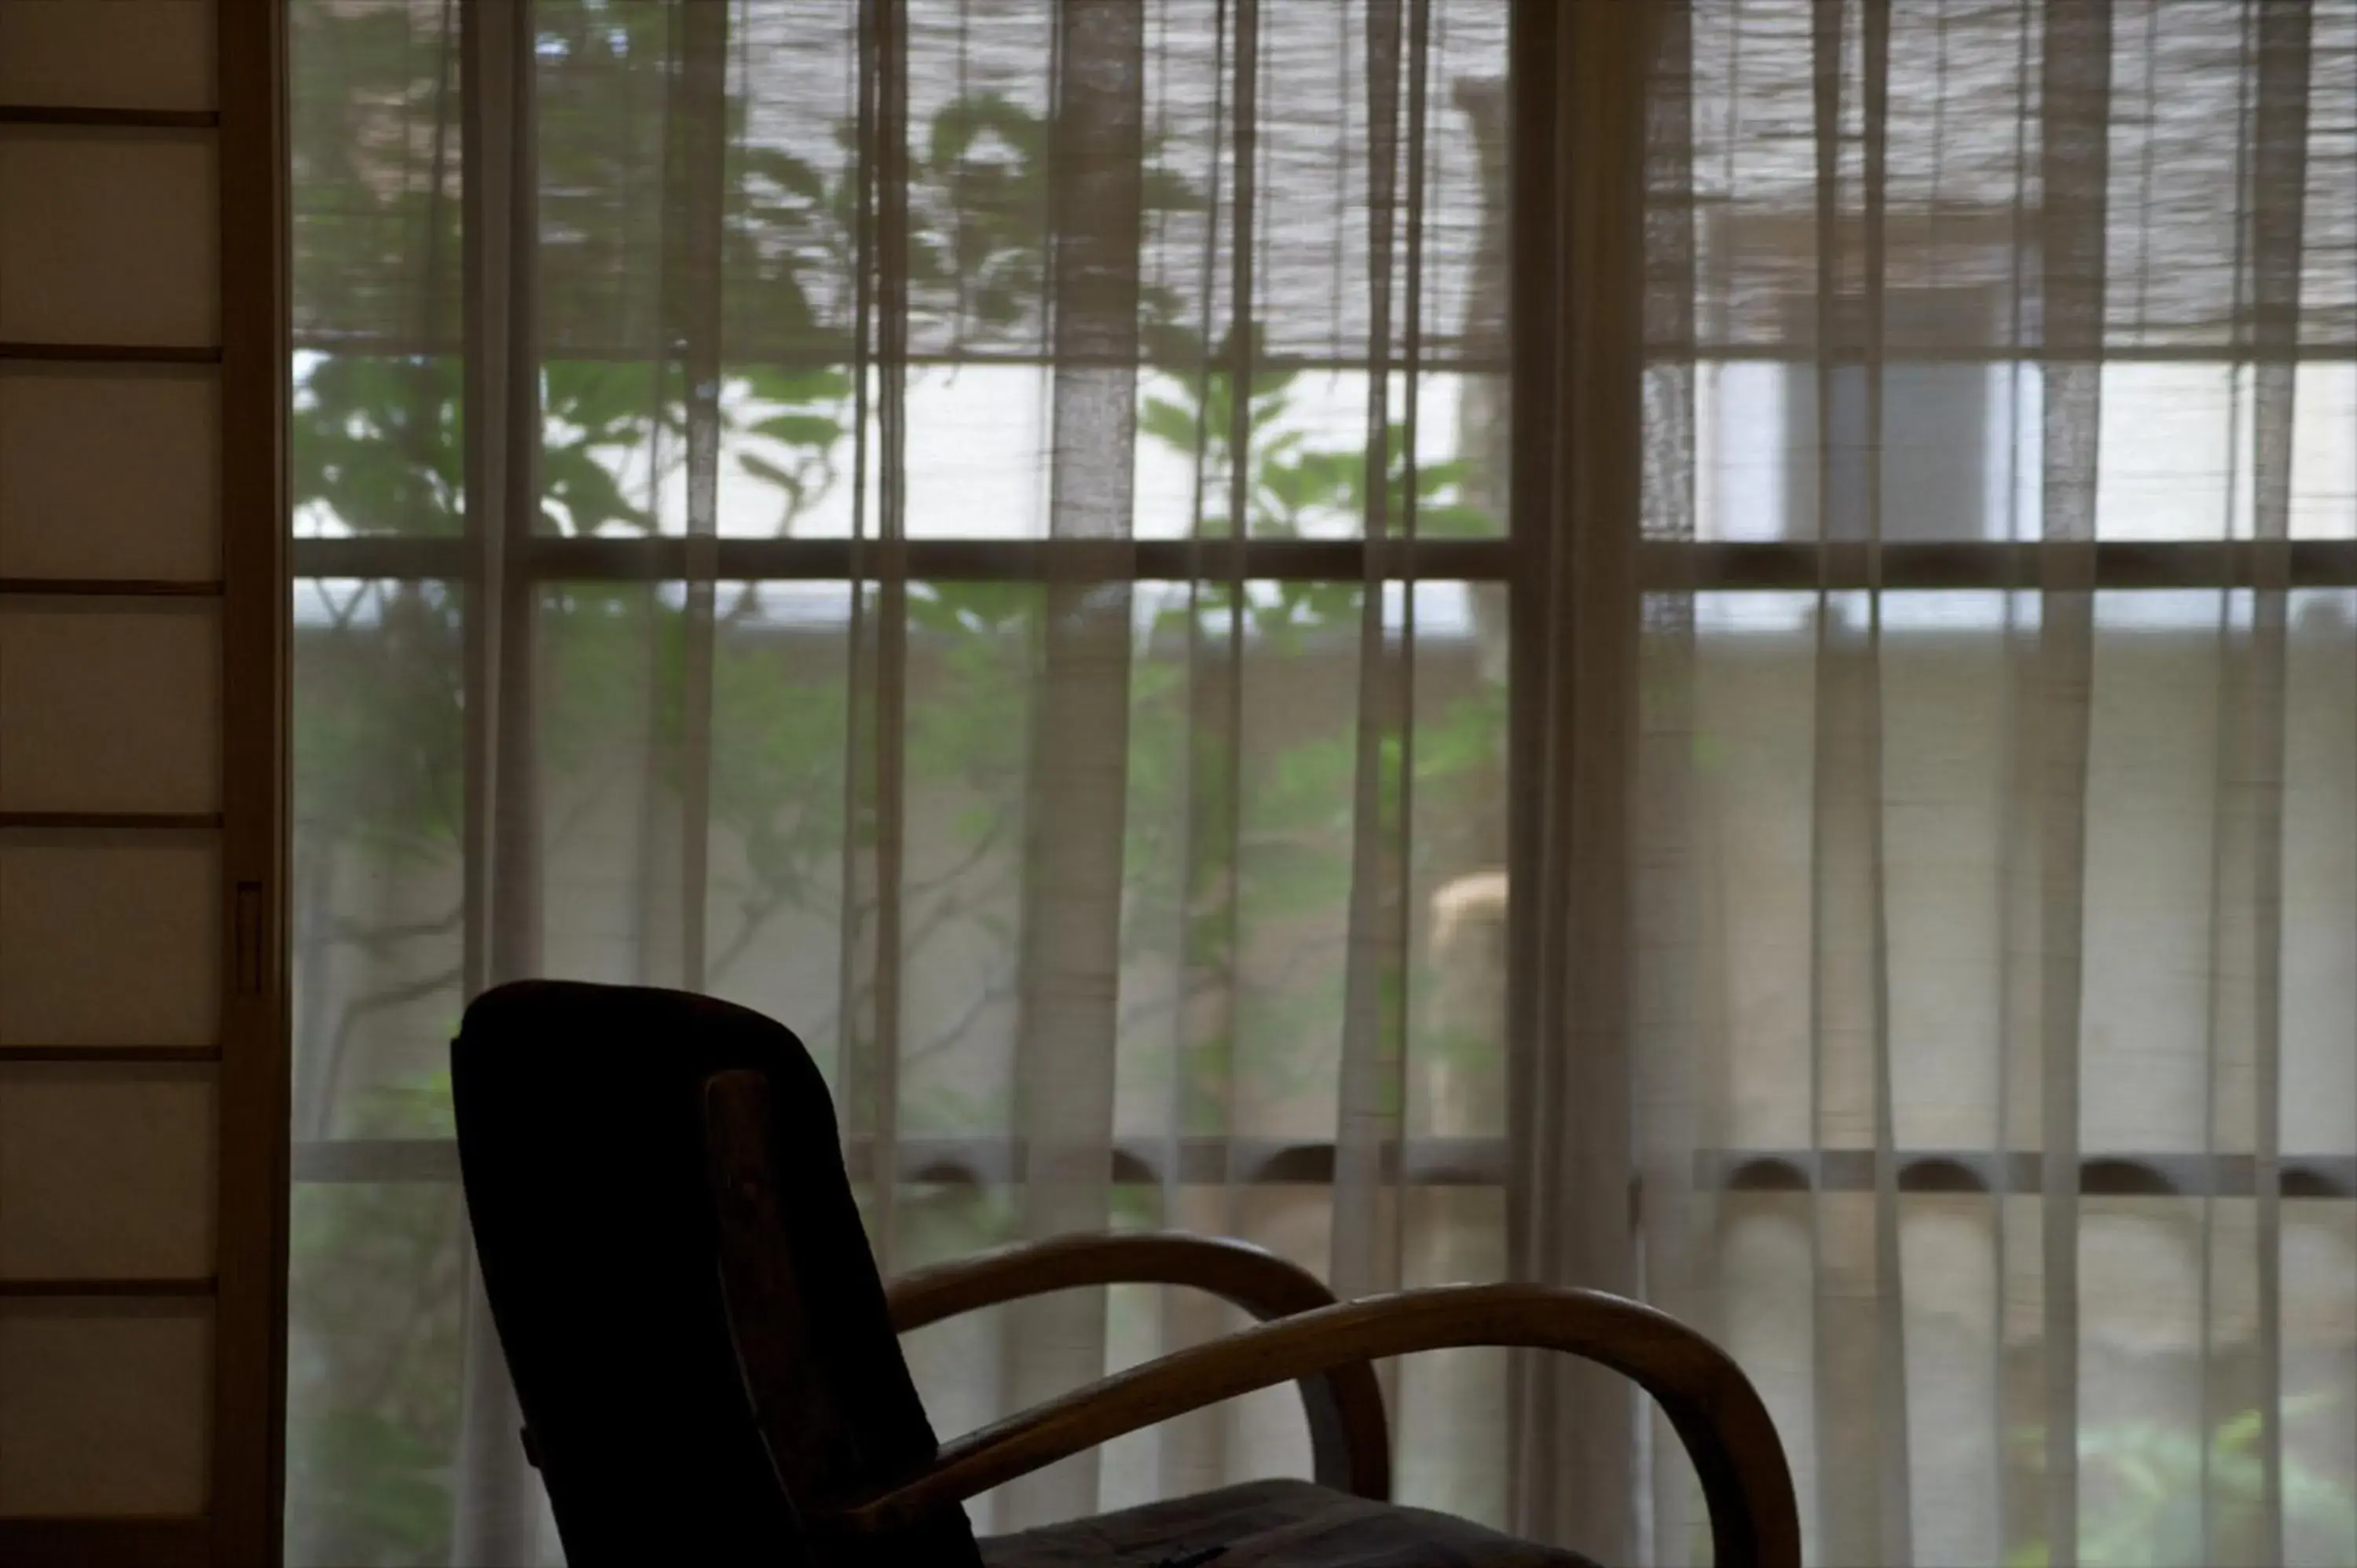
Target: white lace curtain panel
[1703,648]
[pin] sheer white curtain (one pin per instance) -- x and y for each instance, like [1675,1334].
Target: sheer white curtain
[1972,716]
[952,522]
[989,530]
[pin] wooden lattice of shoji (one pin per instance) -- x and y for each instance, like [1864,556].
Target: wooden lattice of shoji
[142,780]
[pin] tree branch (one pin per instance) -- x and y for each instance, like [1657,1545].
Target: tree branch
[374,938]
[375,1002]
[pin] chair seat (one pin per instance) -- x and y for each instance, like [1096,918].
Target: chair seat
[1270,1524]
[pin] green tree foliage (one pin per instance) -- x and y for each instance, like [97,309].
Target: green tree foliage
[2145,1479]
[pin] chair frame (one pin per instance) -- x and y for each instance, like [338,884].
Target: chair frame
[1304,1337]
[1349,1436]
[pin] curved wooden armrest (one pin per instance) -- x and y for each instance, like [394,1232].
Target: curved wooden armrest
[1349,1440]
[1754,1521]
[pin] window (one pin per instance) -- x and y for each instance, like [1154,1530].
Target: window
[810,554]
[760,594]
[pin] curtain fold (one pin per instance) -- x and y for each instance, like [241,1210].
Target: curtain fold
[1076,794]
[499,851]
[1570,1187]
[1987,408]
[1705,647]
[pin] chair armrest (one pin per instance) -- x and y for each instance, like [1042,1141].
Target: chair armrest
[1754,1520]
[1350,1439]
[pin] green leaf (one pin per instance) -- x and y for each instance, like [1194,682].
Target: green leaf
[966,120]
[1172,346]
[2237,1434]
[1165,422]
[789,172]
[1453,523]
[588,492]
[796,489]
[1164,190]
[799,429]
[779,385]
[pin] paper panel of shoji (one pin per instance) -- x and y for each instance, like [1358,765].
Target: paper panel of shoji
[105,1406]
[110,471]
[107,53]
[109,237]
[106,1172]
[108,941]
[111,705]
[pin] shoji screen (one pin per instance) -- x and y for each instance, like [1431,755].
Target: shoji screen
[140,752]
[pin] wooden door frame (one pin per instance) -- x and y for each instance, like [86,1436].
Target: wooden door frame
[250,1305]
[241,1525]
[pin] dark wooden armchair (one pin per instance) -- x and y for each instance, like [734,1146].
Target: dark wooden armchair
[707,1363]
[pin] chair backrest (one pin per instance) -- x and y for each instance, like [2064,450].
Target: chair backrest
[581,1139]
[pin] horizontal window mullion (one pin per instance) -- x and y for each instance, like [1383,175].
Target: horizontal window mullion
[2127,1173]
[1905,353]
[556,559]
[1668,566]
[1473,1162]
[1434,357]
[964,1160]
[1802,565]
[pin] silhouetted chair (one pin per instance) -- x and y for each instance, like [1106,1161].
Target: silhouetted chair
[708,1369]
